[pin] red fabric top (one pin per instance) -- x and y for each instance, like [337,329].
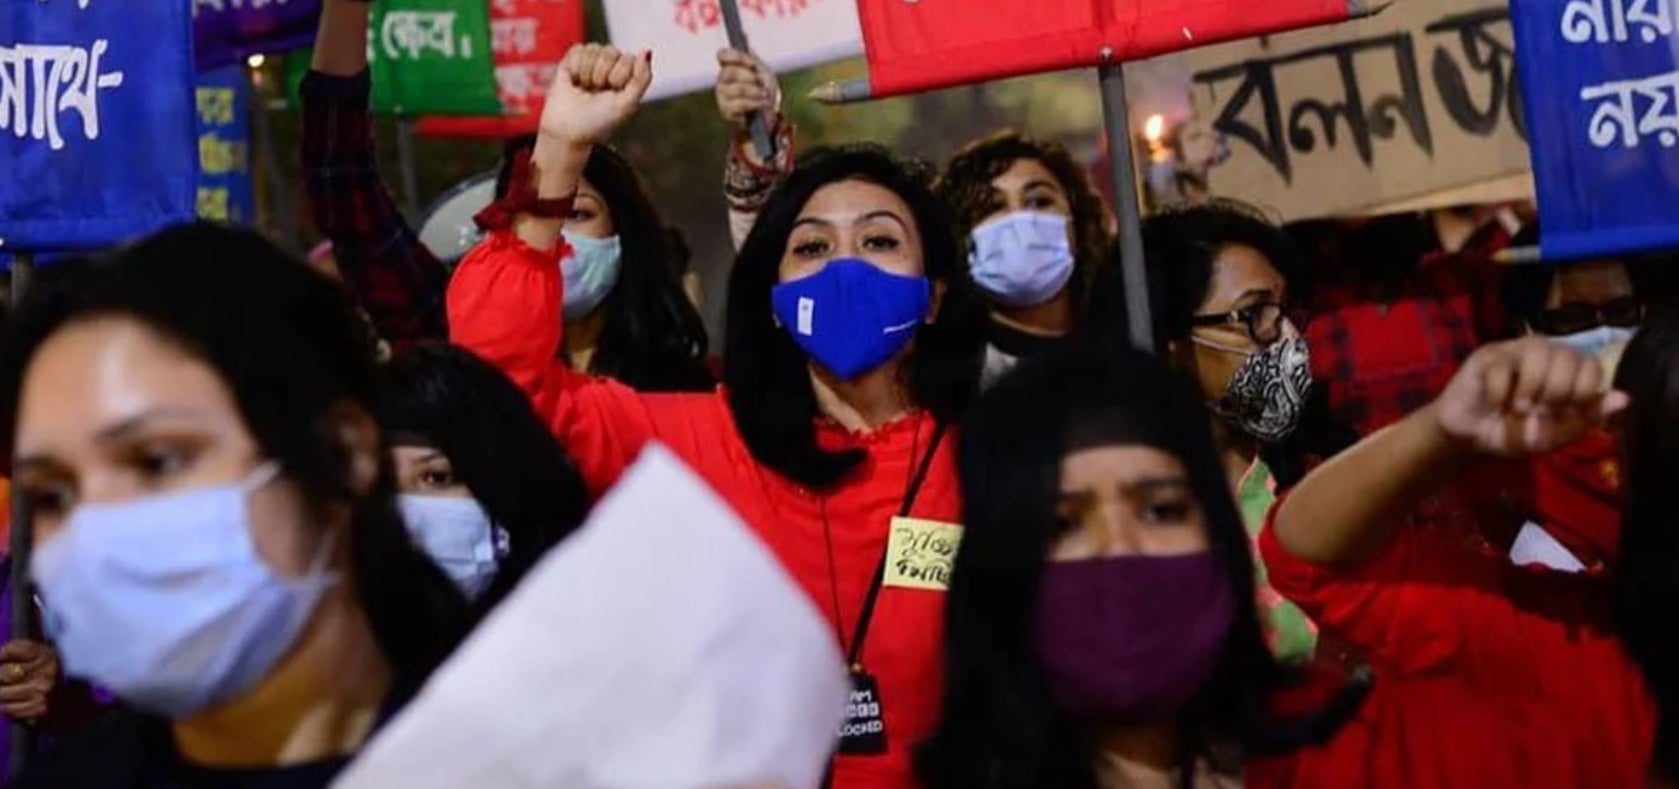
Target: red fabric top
[1486,674]
[504,305]
[1576,498]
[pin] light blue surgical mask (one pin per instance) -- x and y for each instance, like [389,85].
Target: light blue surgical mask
[457,534]
[1593,342]
[590,273]
[1022,259]
[165,600]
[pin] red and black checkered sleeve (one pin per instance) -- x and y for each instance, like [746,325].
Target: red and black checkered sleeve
[400,283]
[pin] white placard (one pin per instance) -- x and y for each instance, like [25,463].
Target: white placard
[685,35]
[662,645]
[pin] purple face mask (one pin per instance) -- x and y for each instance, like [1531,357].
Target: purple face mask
[1129,639]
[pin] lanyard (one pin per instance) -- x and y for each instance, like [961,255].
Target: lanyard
[860,634]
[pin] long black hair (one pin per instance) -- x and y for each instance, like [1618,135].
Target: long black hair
[966,187]
[768,376]
[999,726]
[654,339]
[294,353]
[1646,586]
[468,410]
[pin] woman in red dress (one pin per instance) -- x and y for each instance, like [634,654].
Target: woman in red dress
[851,348]
[1487,674]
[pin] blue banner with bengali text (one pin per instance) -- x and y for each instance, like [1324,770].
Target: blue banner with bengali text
[98,142]
[1600,79]
[227,31]
[225,191]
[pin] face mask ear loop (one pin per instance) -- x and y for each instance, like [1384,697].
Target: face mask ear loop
[1220,346]
[261,477]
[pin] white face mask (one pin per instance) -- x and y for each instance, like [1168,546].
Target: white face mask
[1022,259]
[457,534]
[1595,342]
[165,600]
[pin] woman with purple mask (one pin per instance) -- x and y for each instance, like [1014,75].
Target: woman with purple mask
[1101,625]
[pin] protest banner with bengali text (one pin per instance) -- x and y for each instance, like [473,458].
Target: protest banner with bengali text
[425,57]
[227,31]
[528,40]
[1605,123]
[98,143]
[1412,107]
[685,36]
[225,190]
[432,57]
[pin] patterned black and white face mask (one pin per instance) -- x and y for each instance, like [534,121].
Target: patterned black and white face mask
[1268,393]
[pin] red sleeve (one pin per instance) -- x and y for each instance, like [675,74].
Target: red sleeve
[1411,603]
[505,306]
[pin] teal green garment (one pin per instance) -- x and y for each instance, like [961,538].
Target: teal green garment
[1293,637]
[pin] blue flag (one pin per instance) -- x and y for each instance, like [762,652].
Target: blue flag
[1600,79]
[97,136]
[225,192]
[225,31]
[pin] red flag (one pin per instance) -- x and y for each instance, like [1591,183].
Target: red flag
[528,38]
[916,45]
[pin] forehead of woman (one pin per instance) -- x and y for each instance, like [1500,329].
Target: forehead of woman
[99,380]
[1024,174]
[853,202]
[1242,275]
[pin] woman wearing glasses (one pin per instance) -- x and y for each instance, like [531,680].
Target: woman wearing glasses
[1219,291]
[1591,306]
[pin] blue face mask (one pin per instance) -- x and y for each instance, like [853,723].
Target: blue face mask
[1022,259]
[590,273]
[851,317]
[166,602]
[1593,342]
[457,534]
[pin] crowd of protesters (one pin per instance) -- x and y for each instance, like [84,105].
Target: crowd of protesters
[1376,510]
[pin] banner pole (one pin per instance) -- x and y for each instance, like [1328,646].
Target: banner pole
[1116,114]
[280,220]
[22,736]
[405,162]
[762,144]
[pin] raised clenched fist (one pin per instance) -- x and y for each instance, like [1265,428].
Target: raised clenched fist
[595,90]
[1525,397]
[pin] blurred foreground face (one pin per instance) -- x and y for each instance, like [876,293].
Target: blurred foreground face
[173,562]
[1126,501]
[1133,608]
[111,412]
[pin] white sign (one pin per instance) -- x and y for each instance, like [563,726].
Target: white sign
[662,645]
[685,35]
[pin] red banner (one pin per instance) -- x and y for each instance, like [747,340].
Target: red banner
[528,39]
[930,44]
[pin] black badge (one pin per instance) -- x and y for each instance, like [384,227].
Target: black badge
[864,730]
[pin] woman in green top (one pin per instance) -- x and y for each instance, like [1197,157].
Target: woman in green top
[1218,285]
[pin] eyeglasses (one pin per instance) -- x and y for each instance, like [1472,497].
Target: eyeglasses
[1625,312]
[1263,322]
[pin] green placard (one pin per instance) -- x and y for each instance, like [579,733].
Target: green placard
[427,57]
